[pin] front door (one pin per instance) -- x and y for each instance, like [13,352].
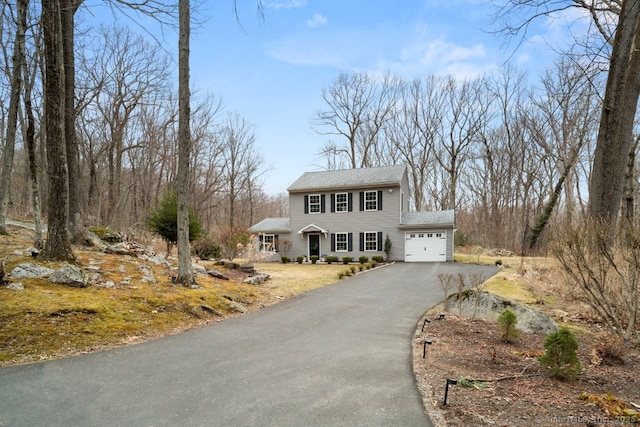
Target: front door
[314,245]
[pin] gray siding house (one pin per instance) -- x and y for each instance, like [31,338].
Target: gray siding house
[351,212]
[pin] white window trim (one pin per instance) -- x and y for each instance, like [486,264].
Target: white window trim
[365,200]
[375,240]
[272,243]
[319,204]
[346,242]
[346,202]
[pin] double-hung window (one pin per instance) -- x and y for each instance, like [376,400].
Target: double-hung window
[371,241]
[342,202]
[314,203]
[370,200]
[342,241]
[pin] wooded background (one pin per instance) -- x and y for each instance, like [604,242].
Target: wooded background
[512,153]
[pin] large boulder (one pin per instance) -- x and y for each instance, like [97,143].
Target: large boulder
[28,270]
[485,305]
[69,275]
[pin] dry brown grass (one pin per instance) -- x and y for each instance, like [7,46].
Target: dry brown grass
[48,320]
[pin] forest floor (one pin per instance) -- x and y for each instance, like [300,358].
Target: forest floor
[502,384]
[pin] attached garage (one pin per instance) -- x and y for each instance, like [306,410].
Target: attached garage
[428,236]
[426,246]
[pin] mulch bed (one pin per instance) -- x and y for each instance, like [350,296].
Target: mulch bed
[517,391]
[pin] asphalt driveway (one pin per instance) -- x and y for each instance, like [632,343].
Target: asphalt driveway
[335,356]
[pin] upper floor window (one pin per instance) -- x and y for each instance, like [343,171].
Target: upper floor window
[342,202]
[370,200]
[314,203]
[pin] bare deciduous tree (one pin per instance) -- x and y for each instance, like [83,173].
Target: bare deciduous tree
[58,246]
[14,99]
[607,273]
[185,273]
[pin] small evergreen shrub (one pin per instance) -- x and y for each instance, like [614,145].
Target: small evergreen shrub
[353,269]
[314,258]
[377,258]
[560,358]
[300,259]
[331,259]
[285,259]
[498,263]
[347,259]
[363,259]
[206,248]
[361,267]
[507,322]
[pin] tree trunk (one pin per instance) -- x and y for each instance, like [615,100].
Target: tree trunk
[615,134]
[57,246]
[12,122]
[30,144]
[76,228]
[185,273]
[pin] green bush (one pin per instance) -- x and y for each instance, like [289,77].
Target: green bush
[353,269]
[560,358]
[285,259]
[300,259]
[363,259]
[164,221]
[347,259]
[507,322]
[330,259]
[314,258]
[377,258]
[206,248]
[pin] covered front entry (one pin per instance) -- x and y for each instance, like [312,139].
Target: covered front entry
[425,246]
[314,245]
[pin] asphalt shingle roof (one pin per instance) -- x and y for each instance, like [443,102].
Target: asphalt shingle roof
[435,218]
[271,225]
[344,178]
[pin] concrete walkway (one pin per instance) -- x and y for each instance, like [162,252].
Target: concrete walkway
[335,356]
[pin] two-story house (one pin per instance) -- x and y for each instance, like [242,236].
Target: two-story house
[351,212]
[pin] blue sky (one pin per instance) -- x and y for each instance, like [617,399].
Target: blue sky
[272,70]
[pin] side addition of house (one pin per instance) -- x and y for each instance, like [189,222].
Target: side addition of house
[351,212]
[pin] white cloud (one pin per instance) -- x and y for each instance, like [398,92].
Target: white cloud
[285,4]
[317,20]
[408,52]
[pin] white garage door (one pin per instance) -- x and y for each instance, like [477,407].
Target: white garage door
[425,246]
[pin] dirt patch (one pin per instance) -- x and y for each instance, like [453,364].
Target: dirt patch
[515,390]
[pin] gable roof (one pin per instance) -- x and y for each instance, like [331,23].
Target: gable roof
[428,219]
[271,225]
[347,178]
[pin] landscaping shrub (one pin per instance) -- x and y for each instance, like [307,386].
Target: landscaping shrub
[560,359]
[330,259]
[377,258]
[206,248]
[347,259]
[363,259]
[507,322]
[314,258]
[285,259]
[300,259]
